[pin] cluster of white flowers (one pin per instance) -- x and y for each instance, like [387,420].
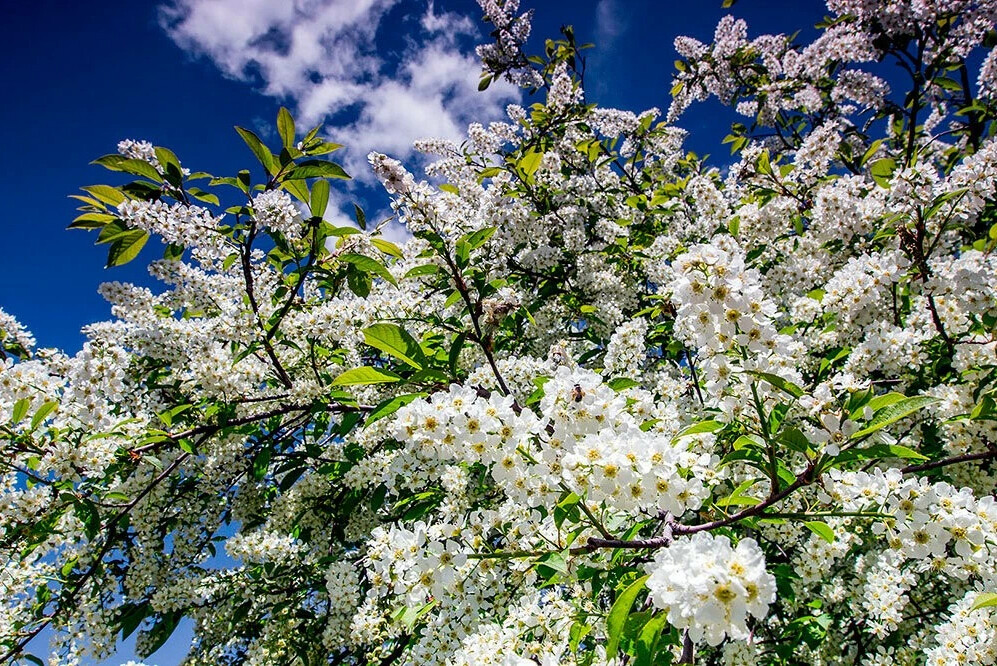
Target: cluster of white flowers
[188,226]
[263,546]
[13,333]
[395,178]
[626,351]
[967,636]
[139,150]
[505,55]
[275,210]
[709,587]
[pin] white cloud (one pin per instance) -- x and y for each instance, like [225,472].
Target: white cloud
[610,23]
[321,57]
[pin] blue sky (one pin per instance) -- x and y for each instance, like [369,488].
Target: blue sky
[80,76]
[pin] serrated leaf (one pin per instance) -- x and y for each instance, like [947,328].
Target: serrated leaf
[617,618]
[361,218]
[426,269]
[397,342]
[317,169]
[985,600]
[285,127]
[129,165]
[893,413]
[453,357]
[42,413]
[622,383]
[91,221]
[778,382]
[387,247]
[647,640]
[319,198]
[390,406]
[821,529]
[480,237]
[170,164]
[882,171]
[298,188]
[262,153]
[261,463]
[369,265]
[530,162]
[880,451]
[106,194]
[20,410]
[365,375]
[126,247]
[885,400]
[702,426]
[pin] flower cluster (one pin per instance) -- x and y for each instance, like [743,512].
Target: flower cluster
[709,587]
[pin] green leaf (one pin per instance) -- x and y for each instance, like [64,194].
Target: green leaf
[91,221]
[20,410]
[170,165]
[319,198]
[622,383]
[453,357]
[106,194]
[893,413]
[361,218]
[617,618]
[317,169]
[738,497]
[795,440]
[821,529]
[87,514]
[298,188]
[126,247]
[129,165]
[647,640]
[480,237]
[285,127]
[778,382]
[358,282]
[882,171]
[390,406]
[261,463]
[42,412]
[985,600]
[366,375]
[395,341]
[885,400]
[530,162]
[111,231]
[262,153]
[387,247]
[324,148]
[879,451]
[368,265]
[702,426]
[203,195]
[425,269]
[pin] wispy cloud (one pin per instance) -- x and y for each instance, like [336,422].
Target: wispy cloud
[610,23]
[322,57]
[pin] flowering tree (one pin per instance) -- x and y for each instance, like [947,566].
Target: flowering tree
[609,405]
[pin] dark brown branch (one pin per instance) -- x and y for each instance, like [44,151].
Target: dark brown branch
[954,460]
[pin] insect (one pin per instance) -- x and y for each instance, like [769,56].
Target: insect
[577,393]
